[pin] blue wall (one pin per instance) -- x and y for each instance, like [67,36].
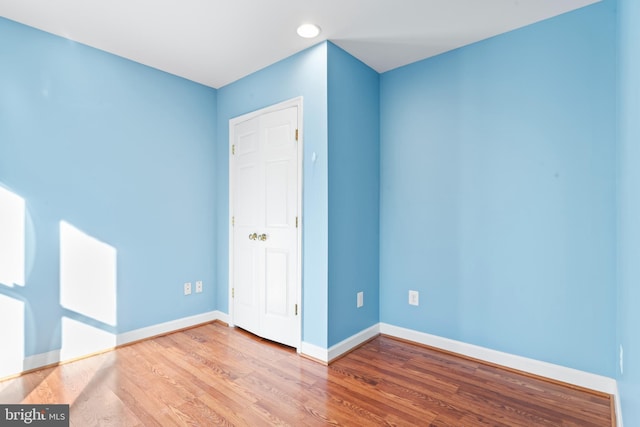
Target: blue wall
[304,74]
[354,188]
[498,192]
[123,153]
[629,208]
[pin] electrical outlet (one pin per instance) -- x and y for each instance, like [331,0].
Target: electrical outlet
[414,297]
[621,359]
[187,288]
[198,286]
[360,299]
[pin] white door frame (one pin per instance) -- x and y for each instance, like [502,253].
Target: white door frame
[295,102]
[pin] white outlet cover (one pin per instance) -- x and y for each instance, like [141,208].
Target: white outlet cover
[360,299]
[187,288]
[199,286]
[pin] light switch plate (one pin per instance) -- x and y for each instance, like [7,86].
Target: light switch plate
[414,298]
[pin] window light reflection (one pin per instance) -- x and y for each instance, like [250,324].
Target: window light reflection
[12,239]
[87,275]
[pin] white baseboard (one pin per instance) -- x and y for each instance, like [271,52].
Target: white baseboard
[166,327]
[337,350]
[532,366]
[352,342]
[49,358]
[315,352]
[39,360]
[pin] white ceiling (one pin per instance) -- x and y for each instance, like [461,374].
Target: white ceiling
[216,42]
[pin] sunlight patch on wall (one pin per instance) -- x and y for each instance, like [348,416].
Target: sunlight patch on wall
[80,339]
[11,336]
[12,238]
[87,275]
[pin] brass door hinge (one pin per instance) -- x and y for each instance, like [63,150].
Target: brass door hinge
[296,134]
[296,309]
[296,222]
[233,149]
[233,292]
[233,221]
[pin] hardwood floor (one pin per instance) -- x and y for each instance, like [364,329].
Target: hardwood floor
[216,375]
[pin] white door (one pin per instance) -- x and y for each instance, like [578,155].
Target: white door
[264,234]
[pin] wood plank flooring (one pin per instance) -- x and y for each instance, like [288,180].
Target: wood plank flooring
[216,375]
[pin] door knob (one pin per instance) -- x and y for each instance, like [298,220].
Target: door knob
[253,236]
[262,237]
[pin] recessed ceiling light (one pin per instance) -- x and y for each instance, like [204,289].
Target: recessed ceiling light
[308,31]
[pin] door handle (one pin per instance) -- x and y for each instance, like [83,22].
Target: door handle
[253,236]
[262,237]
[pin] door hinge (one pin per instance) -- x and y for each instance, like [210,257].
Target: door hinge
[233,292]
[233,149]
[233,221]
[296,222]
[296,309]
[296,134]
